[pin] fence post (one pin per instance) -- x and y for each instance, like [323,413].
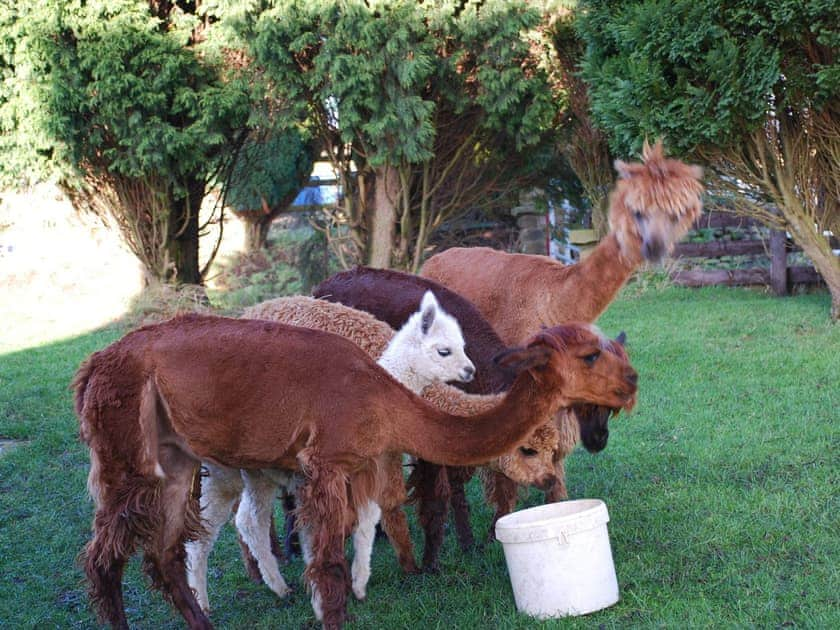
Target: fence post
[778,262]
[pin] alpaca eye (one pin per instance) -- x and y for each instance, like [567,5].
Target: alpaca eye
[527,452]
[444,352]
[638,215]
[590,359]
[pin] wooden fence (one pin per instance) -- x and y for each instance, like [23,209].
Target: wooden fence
[750,242]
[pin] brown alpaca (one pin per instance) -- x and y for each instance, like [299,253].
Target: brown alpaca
[653,205]
[255,394]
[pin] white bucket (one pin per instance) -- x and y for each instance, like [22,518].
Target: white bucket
[559,558]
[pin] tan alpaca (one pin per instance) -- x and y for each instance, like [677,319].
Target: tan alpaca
[653,205]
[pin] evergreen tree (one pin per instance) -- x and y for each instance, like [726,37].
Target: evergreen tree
[426,109]
[127,107]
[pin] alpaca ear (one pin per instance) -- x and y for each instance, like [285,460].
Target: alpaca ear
[519,359]
[429,307]
[696,171]
[657,151]
[623,169]
[622,338]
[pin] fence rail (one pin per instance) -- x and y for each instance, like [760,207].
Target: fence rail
[779,276]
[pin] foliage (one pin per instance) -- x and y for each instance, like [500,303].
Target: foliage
[721,489]
[581,143]
[431,107]
[296,259]
[269,170]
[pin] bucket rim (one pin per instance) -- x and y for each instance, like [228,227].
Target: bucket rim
[513,528]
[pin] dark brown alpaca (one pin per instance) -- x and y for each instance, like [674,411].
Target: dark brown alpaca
[392,296]
[255,394]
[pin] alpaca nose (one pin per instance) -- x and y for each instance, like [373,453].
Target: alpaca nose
[653,250]
[467,373]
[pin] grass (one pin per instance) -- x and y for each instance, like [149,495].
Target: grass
[722,488]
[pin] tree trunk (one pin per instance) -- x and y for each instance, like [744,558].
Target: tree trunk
[383,217]
[818,248]
[182,238]
[256,231]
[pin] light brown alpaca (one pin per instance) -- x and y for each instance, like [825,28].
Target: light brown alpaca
[653,205]
[256,394]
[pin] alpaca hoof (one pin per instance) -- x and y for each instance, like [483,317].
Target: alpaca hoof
[415,570]
[432,568]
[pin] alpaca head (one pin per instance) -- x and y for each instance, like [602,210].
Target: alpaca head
[431,345]
[593,420]
[532,463]
[573,363]
[654,203]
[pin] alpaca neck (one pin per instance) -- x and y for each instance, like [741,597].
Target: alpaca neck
[451,440]
[586,289]
[397,363]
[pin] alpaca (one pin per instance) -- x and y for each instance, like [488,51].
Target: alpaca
[652,207]
[429,348]
[392,296]
[531,463]
[257,394]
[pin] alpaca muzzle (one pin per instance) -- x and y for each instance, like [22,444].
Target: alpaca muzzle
[654,250]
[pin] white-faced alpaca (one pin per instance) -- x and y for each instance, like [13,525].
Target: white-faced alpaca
[429,348]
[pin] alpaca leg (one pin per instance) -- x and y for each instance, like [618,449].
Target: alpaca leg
[430,488]
[324,517]
[104,569]
[501,492]
[558,491]
[219,491]
[363,537]
[291,541]
[460,507]
[395,524]
[165,558]
[250,562]
[120,512]
[391,499]
[253,521]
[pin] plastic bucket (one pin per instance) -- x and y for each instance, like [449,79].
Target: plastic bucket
[559,558]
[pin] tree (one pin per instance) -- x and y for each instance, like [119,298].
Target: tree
[749,87]
[133,114]
[270,170]
[426,109]
[583,144]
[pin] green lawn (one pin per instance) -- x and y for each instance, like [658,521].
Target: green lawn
[722,488]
